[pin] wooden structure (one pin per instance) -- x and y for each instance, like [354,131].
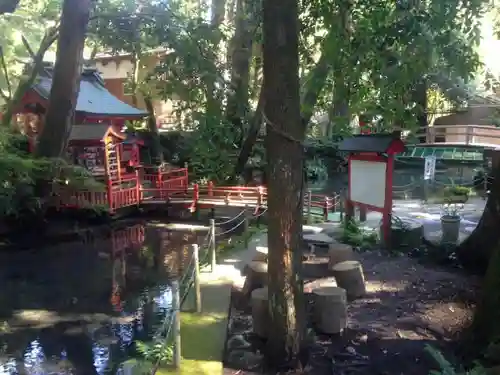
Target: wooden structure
[95,106]
[371,158]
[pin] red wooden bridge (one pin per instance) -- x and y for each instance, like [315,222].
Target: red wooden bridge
[171,187]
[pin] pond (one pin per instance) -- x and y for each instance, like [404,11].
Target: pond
[76,308]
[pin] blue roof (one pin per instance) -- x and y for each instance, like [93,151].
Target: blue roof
[93,98]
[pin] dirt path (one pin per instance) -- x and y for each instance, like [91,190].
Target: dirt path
[407,306]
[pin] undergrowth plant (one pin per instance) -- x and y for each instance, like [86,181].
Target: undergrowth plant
[353,234]
[446,368]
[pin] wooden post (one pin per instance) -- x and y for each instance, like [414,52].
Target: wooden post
[176,302]
[362,214]
[325,209]
[308,209]
[196,197]
[210,188]
[197,289]
[341,201]
[246,226]
[213,259]
[334,201]
[260,197]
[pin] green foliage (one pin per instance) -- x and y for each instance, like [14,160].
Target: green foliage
[446,368]
[155,352]
[31,19]
[353,234]
[456,190]
[20,172]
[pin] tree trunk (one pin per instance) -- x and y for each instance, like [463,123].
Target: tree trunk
[314,83]
[313,87]
[284,144]
[241,46]
[485,327]
[155,147]
[339,112]
[252,135]
[25,84]
[475,252]
[66,82]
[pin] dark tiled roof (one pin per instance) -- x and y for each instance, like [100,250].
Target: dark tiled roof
[93,98]
[368,143]
[88,132]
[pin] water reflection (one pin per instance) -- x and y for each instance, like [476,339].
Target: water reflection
[77,308]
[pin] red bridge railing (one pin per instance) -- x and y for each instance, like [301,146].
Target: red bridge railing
[171,186]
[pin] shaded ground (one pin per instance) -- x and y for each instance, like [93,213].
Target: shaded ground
[407,306]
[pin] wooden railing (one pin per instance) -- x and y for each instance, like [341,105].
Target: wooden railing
[173,188]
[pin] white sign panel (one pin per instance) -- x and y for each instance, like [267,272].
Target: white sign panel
[430,167]
[367,182]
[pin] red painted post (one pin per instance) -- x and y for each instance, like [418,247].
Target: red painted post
[138,187]
[159,181]
[109,188]
[210,189]
[196,194]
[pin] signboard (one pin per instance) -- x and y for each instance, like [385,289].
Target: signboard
[430,167]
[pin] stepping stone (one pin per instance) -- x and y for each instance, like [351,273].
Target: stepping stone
[435,237]
[319,283]
[319,238]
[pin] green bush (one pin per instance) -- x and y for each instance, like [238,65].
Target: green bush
[20,173]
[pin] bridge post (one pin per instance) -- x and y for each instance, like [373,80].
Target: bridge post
[212,246]
[210,188]
[138,187]
[325,209]
[362,214]
[308,206]
[197,288]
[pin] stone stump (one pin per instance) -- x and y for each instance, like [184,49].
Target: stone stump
[339,252]
[260,312]
[314,267]
[349,276]
[330,309]
[256,277]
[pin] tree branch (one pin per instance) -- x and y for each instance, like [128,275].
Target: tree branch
[7,80]
[25,84]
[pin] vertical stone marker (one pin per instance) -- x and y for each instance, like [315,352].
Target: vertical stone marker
[260,312]
[330,309]
[349,276]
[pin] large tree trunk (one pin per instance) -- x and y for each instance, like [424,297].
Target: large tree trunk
[485,327]
[66,81]
[475,252]
[314,84]
[285,134]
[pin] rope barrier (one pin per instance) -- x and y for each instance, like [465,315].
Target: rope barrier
[231,219]
[230,230]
